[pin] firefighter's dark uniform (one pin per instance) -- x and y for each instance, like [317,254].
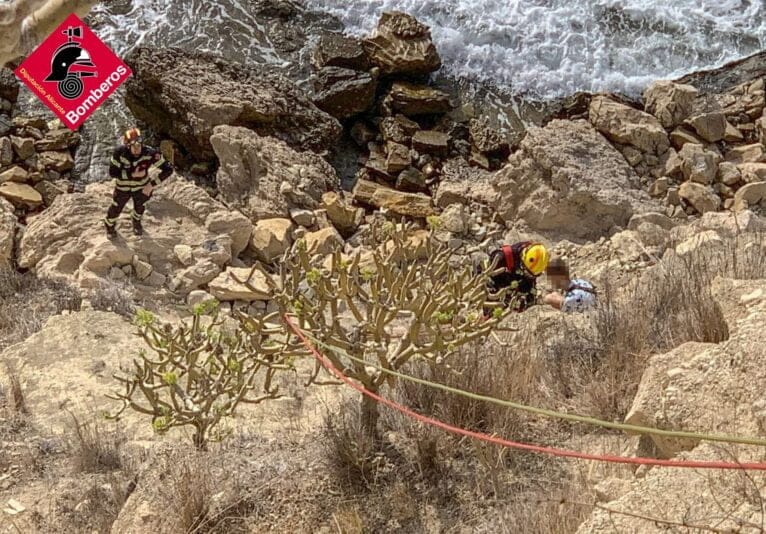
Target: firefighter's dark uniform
[122,167]
[522,286]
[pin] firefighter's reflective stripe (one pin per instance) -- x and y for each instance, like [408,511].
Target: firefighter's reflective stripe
[130,189]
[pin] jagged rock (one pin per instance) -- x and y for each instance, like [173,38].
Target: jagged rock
[746,154]
[398,157]
[57,161]
[750,195]
[184,254]
[6,151]
[411,99]
[701,197]
[344,217]
[5,124]
[185,95]
[760,129]
[733,134]
[653,235]
[225,287]
[431,142]
[680,136]
[653,217]
[479,160]
[623,124]
[708,240]
[709,126]
[487,140]
[14,174]
[67,241]
[7,230]
[752,172]
[338,50]
[58,139]
[344,93]
[264,177]
[670,102]
[412,180]
[455,219]
[9,85]
[567,178]
[29,123]
[459,192]
[271,239]
[324,241]
[698,165]
[21,195]
[49,191]
[304,217]
[632,155]
[723,224]
[728,173]
[142,269]
[671,164]
[659,187]
[410,204]
[23,146]
[402,45]
[398,129]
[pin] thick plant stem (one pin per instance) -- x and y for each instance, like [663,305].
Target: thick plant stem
[370,416]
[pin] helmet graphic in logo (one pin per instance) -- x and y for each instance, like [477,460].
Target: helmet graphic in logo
[67,65]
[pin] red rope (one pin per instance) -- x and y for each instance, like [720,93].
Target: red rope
[513,444]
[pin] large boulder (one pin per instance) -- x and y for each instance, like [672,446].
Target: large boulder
[344,93]
[410,204]
[670,102]
[702,387]
[338,50]
[68,366]
[240,283]
[402,45]
[568,180]
[697,164]
[271,238]
[413,99]
[68,242]
[21,195]
[185,95]
[750,196]
[463,184]
[709,126]
[264,177]
[701,197]
[628,126]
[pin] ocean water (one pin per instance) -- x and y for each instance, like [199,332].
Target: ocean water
[552,48]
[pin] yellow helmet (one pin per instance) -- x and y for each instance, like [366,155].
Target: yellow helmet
[131,136]
[535,258]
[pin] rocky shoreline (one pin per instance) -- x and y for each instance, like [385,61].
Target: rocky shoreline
[583,176]
[626,191]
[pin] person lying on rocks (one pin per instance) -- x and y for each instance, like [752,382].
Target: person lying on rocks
[132,165]
[521,263]
[569,295]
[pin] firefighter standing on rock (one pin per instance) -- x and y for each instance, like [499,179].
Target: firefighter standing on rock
[130,165]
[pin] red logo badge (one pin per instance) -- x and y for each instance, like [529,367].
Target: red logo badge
[73,72]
